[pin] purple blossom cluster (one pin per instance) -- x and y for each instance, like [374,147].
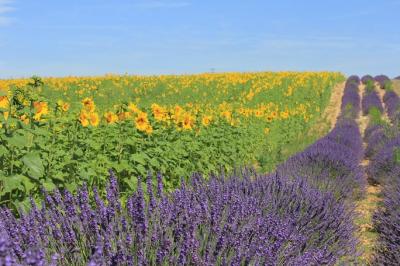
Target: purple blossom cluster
[385,160]
[392,104]
[370,130]
[367,79]
[376,136]
[241,219]
[382,81]
[387,223]
[371,100]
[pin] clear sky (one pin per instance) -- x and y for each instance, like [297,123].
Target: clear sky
[91,37]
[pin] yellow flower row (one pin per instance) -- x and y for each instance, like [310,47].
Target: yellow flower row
[224,83]
[205,98]
[179,116]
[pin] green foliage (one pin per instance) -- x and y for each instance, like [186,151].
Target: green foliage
[370,86]
[376,116]
[396,155]
[36,82]
[388,85]
[59,152]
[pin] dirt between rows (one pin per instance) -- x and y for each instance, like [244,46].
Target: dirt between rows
[332,111]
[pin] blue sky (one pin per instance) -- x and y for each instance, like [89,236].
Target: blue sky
[92,37]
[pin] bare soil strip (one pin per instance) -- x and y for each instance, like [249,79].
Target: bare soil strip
[362,120]
[396,86]
[332,111]
[381,93]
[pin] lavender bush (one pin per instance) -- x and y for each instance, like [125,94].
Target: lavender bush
[371,100]
[371,129]
[347,133]
[387,223]
[392,104]
[237,220]
[350,106]
[386,159]
[376,136]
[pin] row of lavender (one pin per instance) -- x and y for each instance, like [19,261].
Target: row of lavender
[332,162]
[383,141]
[297,216]
[379,132]
[371,101]
[243,219]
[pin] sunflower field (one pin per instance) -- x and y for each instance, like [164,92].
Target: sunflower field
[64,132]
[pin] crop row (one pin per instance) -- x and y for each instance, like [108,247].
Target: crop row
[383,142]
[370,98]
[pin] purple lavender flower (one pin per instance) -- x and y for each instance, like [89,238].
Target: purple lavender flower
[6,255]
[350,106]
[34,257]
[384,161]
[227,219]
[376,136]
[392,103]
[387,222]
[371,100]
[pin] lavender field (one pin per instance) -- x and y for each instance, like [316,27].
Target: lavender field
[334,203]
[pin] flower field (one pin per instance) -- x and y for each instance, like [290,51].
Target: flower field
[191,170]
[62,132]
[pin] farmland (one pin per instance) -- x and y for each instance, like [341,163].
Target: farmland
[63,132]
[208,169]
